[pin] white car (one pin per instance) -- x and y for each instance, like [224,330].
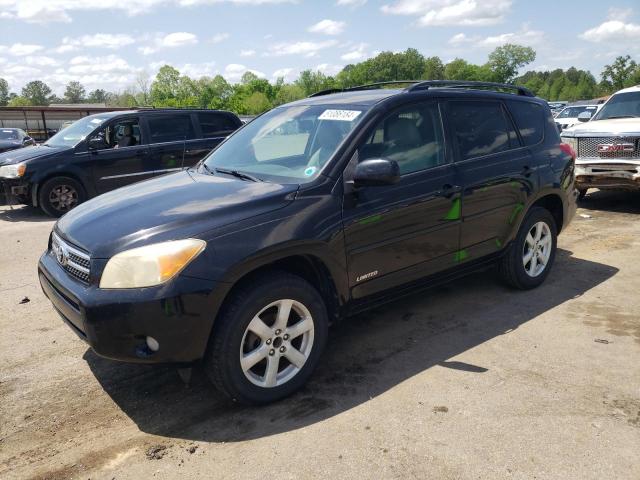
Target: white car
[608,146]
[568,117]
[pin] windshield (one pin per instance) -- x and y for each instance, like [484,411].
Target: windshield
[573,112]
[9,135]
[76,132]
[287,144]
[621,105]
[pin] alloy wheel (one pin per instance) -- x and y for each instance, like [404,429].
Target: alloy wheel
[63,197]
[536,250]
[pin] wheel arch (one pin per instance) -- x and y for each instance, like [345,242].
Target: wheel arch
[35,189]
[554,204]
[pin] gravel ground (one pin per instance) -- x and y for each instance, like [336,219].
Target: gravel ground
[470,380]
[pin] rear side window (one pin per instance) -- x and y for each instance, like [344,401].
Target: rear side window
[170,128]
[481,128]
[215,124]
[529,118]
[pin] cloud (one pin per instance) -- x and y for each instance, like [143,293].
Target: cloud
[83,65]
[41,61]
[234,71]
[171,40]
[328,27]
[219,37]
[523,37]
[356,54]
[451,12]
[612,31]
[198,70]
[97,40]
[351,3]
[308,49]
[328,68]
[21,49]
[247,53]
[289,74]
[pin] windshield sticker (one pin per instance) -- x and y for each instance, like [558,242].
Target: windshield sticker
[310,171]
[340,115]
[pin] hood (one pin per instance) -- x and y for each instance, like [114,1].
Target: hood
[605,128]
[28,153]
[175,206]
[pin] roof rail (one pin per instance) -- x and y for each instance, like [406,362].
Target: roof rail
[425,85]
[369,86]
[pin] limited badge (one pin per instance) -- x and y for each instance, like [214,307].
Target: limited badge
[310,171]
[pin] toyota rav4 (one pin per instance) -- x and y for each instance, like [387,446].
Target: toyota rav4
[313,211]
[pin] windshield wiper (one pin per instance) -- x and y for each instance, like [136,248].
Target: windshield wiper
[206,167]
[237,174]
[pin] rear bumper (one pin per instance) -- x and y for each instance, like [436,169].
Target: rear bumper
[115,323]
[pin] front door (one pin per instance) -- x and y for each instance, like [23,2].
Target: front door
[399,233]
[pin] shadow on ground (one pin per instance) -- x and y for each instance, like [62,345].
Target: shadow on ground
[23,213]
[366,356]
[611,201]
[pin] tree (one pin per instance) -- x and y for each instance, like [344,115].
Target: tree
[505,61]
[74,92]
[144,85]
[19,101]
[4,92]
[164,88]
[620,72]
[97,96]
[433,69]
[37,92]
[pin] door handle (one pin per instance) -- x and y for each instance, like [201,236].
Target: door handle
[527,170]
[447,190]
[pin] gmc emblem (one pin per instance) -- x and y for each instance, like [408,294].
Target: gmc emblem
[615,147]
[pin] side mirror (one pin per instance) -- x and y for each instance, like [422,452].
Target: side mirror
[584,116]
[96,143]
[376,172]
[27,141]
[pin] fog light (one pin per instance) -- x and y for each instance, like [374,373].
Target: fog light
[153,344]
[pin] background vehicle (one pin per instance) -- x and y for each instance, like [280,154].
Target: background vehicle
[14,138]
[102,152]
[313,211]
[608,146]
[556,107]
[568,116]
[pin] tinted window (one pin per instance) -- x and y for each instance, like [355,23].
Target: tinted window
[170,128]
[529,118]
[412,137]
[481,128]
[215,124]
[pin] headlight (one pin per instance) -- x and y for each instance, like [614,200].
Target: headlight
[151,265]
[13,171]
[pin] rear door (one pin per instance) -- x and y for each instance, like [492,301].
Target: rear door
[173,141]
[495,172]
[214,127]
[399,233]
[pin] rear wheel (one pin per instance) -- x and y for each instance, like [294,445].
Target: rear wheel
[269,339]
[529,259]
[58,195]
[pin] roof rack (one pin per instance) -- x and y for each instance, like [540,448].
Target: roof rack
[425,85]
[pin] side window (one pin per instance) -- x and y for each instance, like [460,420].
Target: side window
[412,137]
[123,133]
[481,128]
[529,118]
[170,128]
[215,124]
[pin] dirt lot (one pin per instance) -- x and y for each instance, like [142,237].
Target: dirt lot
[470,380]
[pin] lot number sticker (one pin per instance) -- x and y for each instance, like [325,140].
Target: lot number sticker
[340,115]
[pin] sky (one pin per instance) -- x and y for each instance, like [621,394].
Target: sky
[109,44]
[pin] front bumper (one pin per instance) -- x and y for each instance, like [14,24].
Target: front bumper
[608,174]
[115,323]
[14,190]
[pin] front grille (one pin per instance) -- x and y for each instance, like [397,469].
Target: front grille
[588,147]
[74,261]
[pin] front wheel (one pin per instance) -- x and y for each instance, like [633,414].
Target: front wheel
[268,339]
[529,259]
[58,195]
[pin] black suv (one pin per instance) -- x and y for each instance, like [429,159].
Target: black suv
[311,212]
[101,152]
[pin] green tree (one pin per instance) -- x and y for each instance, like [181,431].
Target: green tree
[433,69]
[37,92]
[288,93]
[620,72]
[74,93]
[4,92]
[256,103]
[19,101]
[164,89]
[97,96]
[505,61]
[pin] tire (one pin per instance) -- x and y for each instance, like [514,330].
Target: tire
[582,192]
[58,195]
[235,335]
[514,268]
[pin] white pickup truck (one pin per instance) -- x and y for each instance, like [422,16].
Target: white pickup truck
[608,146]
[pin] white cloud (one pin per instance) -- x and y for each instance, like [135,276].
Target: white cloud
[171,40]
[328,68]
[612,31]
[21,49]
[97,40]
[83,65]
[351,3]
[234,71]
[356,54]
[328,27]
[451,12]
[247,53]
[523,37]
[41,61]
[289,74]
[219,37]
[198,70]
[308,49]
